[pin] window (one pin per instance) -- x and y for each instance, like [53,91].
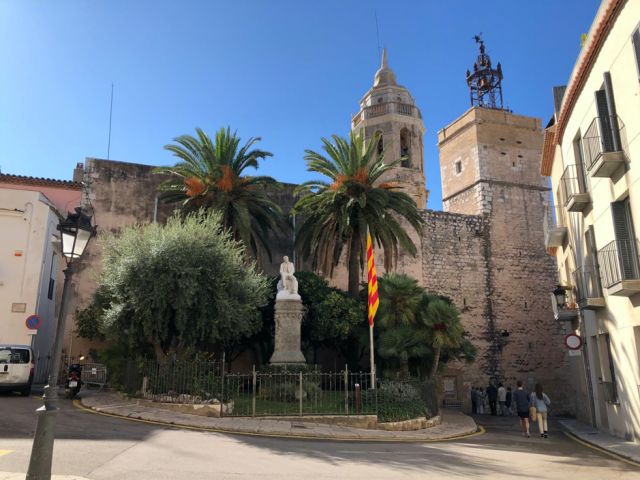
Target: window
[458,166]
[52,276]
[606,105]
[626,239]
[582,169]
[636,48]
[613,389]
[378,134]
[405,147]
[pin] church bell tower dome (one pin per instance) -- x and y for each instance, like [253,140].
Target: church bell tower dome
[389,112]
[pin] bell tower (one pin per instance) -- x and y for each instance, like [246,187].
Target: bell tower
[389,110]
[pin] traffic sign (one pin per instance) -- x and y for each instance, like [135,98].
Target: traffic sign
[573,341]
[34,322]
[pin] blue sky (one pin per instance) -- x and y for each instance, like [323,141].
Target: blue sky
[290,72]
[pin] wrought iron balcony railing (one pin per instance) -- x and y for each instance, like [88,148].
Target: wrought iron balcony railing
[618,262]
[554,225]
[574,188]
[587,282]
[604,145]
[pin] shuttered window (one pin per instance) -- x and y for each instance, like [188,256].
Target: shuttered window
[609,128]
[626,239]
[636,48]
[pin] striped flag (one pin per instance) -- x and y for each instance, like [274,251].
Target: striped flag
[373,282]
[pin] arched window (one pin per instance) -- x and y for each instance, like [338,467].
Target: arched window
[405,147]
[378,135]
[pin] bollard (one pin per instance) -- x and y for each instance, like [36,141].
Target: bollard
[357,385]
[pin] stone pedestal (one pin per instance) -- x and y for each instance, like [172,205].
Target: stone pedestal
[288,315]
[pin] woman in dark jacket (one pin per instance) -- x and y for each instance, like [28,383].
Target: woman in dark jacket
[509,398]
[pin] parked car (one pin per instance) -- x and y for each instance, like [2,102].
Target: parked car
[16,369]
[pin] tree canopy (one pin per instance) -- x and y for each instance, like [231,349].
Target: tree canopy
[336,214]
[178,285]
[213,174]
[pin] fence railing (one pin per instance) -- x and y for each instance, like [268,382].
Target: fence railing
[610,392]
[605,134]
[43,362]
[573,181]
[278,392]
[619,261]
[376,110]
[587,282]
[404,109]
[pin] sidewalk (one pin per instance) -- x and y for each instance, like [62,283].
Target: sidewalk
[603,440]
[22,476]
[453,424]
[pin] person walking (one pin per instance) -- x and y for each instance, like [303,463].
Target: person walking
[474,407]
[539,400]
[521,399]
[508,399]
[480,400]
[502,399]
[492,393]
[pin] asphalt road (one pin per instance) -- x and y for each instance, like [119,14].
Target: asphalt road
[105,448]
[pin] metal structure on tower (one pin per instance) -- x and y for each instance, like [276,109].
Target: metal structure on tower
[485,82]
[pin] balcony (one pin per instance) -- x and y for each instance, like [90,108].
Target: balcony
[604,145]
[588,288]
[564,314]
[620,268]
[574,188]
[554,226]
[386,108]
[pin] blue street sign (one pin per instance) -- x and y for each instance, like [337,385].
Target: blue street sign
[34,322]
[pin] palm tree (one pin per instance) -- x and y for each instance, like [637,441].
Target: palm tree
[212,174]
[400,297]
[335,215]
[440,320]
[403,342]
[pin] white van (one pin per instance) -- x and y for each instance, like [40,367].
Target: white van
[16,369]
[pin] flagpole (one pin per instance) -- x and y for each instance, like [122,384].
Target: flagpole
[371,349]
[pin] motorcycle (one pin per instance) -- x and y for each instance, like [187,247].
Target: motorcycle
[74,380]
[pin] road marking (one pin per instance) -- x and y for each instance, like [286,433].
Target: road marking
[601,450]
[4,452]
[77,404]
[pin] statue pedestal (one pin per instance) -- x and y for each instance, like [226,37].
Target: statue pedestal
[288,316]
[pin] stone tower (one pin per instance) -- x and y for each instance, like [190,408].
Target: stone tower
[388,109]
[490,166]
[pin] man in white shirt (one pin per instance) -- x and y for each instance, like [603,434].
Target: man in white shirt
[502,399]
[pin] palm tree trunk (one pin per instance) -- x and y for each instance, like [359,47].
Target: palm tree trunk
[436,360]
[354,265]
[404,368]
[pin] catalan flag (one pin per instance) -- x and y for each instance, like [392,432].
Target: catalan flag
[373,282]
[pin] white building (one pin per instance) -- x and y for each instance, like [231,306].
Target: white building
[592,155]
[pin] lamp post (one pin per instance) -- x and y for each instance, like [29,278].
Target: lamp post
[76,232]
[561,297]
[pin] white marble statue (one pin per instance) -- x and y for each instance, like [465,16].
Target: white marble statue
[288,284]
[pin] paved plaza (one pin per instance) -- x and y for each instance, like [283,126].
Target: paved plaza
[104,448]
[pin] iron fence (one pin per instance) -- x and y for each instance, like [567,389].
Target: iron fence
[587,281]
[43,363]
[605,134]
[619,261]
[296,391]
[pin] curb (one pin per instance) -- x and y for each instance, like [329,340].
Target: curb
[478,430]
[619,456]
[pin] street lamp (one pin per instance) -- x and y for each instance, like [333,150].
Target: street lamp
[561,296]
[76,232]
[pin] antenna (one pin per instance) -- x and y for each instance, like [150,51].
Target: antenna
[110,115]
[378,37]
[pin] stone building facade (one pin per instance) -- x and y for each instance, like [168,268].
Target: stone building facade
[485,250]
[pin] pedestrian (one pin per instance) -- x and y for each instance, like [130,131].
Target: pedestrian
[474,408]
[502,399]
[492,393]
[508,400]
[480,400]
[539,400]
[521,399]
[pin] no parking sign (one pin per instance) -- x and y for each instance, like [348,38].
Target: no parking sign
[34,322]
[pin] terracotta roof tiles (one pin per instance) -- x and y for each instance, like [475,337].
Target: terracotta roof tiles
[39,182]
